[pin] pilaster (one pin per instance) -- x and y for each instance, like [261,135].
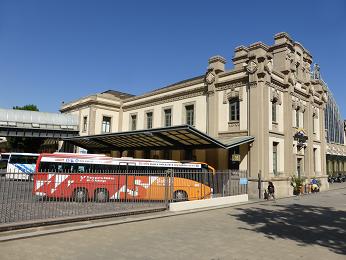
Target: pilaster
[216,65]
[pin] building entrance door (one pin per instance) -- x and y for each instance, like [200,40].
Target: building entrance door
[299,167]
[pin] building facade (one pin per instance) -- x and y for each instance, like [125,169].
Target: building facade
[335,135]
[269,94]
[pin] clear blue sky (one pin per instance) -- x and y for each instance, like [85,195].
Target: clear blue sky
[60,50]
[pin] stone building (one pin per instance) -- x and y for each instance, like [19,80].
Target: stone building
[271,98]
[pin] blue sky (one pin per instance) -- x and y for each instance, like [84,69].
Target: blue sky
[59,50]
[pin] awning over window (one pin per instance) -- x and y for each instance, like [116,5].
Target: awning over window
[175,137]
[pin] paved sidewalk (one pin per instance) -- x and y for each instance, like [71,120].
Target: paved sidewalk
[309,227]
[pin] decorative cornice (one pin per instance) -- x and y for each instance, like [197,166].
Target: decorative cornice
[166,99]
[88,103]
[274,85]
[231,84]
[297,95]
[257,45]
[279,74]
[301,93]
[216,59]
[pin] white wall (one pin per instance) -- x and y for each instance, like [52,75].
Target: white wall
[178,114]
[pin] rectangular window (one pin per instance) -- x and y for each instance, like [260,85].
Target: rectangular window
[190,114]
[313,125]
[85,123]
[273,111]
[149,120]
[234,109]
[314,155]
[106,124]
[133,122]
[297,118]
[275,158]
[168,117]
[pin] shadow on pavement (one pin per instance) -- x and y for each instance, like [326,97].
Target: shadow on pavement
[305,224]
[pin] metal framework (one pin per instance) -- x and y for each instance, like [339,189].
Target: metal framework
[175,137]
[22,123]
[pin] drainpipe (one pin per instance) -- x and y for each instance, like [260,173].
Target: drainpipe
[248,126]
[207,112]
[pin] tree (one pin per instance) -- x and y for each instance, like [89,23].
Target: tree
[25,144]
[30,107]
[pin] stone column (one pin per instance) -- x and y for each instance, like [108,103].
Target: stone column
[92,121]
[216,65]
[259,109]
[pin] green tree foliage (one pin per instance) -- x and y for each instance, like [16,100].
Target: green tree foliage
[25,144]
[30,107]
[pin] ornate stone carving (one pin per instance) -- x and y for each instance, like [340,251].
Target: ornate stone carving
[298,105]
[269,66]
[324,97]
[234,124]
[210,77]
[234,85]
[317,74]
[275,96]
[252,67]
[227,95]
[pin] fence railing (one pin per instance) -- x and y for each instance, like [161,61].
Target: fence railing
[51,195]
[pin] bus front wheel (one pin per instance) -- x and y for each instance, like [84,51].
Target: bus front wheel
[101,195]
[180,195]
[80,195]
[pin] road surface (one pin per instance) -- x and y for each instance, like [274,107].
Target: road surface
[307,227]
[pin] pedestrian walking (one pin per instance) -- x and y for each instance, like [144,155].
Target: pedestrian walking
[271,190]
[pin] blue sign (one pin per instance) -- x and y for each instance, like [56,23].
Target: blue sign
[243,181]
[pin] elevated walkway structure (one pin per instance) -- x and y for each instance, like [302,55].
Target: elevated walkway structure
[22,123]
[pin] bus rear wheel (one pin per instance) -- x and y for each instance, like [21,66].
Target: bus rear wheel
[101,195]
[80,195]
[180,195]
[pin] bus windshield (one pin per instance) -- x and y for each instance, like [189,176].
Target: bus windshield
[23,159]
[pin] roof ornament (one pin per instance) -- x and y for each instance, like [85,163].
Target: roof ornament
[317,73]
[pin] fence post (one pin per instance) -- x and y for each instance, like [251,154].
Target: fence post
[259,185]
[168,174]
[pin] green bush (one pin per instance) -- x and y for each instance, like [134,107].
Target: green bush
[297,183]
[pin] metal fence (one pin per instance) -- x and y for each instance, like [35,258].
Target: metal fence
[55,195]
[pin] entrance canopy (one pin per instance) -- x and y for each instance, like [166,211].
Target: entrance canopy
[175,137]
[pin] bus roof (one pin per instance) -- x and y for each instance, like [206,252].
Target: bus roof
[30,154]
[95,154]
[96,159]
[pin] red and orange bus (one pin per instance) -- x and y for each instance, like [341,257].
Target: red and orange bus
[96,177]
